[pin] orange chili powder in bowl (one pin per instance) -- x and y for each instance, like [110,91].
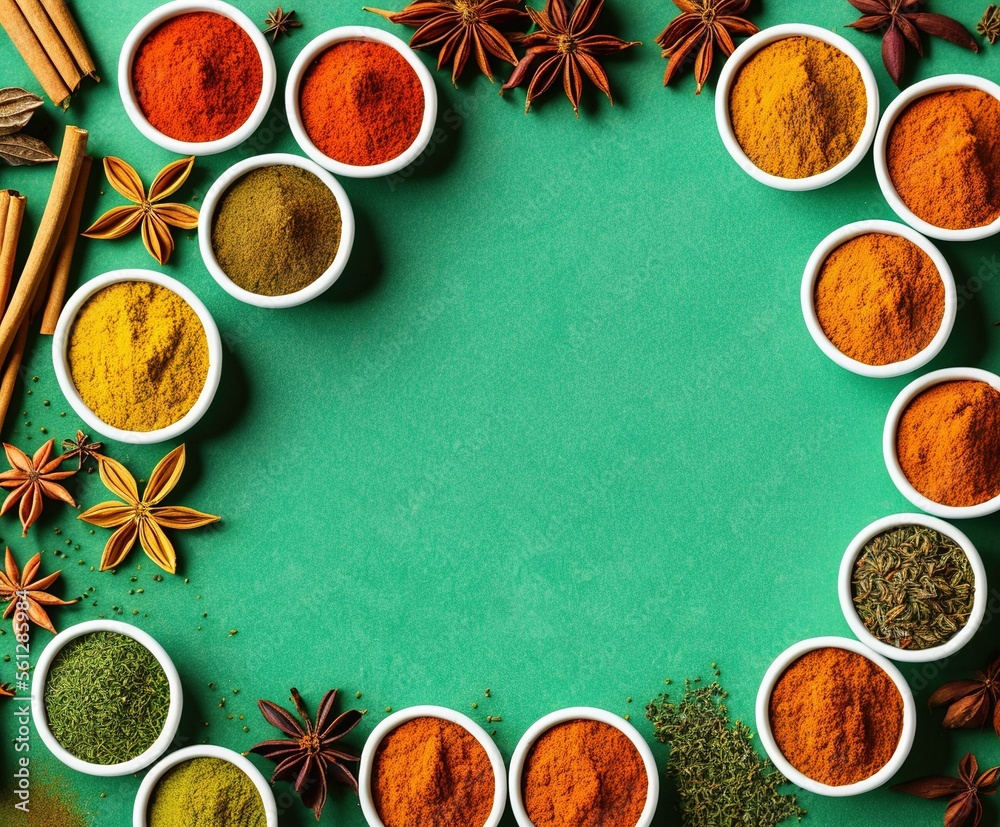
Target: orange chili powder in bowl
[583,767]
[196,81]
[360,102]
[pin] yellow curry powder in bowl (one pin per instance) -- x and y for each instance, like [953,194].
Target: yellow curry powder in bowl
[138,355]
[798,107]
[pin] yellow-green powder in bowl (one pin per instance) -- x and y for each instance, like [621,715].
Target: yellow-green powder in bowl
[206,792]
[276,230]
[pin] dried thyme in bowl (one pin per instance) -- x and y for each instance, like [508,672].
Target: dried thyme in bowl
[913,587]
[106,698]
[719,777]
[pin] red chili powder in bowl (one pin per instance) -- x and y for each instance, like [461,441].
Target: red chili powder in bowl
[197,77]
[361,103]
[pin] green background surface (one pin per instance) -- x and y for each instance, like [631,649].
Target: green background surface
[558,431]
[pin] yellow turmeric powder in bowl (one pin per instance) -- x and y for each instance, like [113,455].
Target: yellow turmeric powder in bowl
[138,355]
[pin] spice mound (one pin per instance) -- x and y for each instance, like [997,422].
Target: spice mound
[206,792]
[138,355]
[276,230]
[106,698]
[948,443]
[836,716]
[361,103]
[879,299]
[913,587]
[584,774]
[943,156]
[798,107]
[197,77]
[434,772]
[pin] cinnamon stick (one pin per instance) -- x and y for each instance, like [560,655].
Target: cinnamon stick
[11,370]
[43,247]
[33,52]
[12,218]
[52,42]
[64,256]
[69,31]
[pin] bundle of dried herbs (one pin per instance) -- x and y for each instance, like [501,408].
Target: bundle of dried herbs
[17,149]
[971,701]
[989,26]
[720,778]
[913,587]
[964,794]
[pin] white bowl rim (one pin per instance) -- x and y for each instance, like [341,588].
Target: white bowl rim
[777,669]
[40,719]
[402,716]
[846,591]
[744,52]
[321,283]
[60,343]
[815,265]
[941,83]
[304,60]
[907,395]
[160,15]
[143,797]
[581,713]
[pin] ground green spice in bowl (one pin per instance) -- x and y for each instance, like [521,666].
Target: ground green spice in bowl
[106,698]
[206,792]
[276,230]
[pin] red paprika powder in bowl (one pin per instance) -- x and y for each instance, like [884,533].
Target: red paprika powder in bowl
[360,102]
[196,76]
[583,767]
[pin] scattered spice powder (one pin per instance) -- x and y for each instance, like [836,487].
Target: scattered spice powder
[948,442]
[276,230]
[584,774]
[206,792]
[836,716]
[361,102]
[434,772]
[138,355]
[798,107]
[943,155]
[197,77]
[879,299]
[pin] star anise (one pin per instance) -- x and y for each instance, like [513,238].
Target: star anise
[461,28]
[701,26]
[32,480]
[989,26]
[279,22]
[143,519]
[16,586]
[969,702]
[310,752]
[146,212]
[81,448]
[564,47]
[965,793]
[902,21]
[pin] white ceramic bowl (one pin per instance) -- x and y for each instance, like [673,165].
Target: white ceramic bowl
[907,395]
[812,271]
[145,794]
[962,637]
[305,59]
[777,669]
[365,771]
[578,713]
[308,292]
[60,360]
[892,112]
[40,719]
[161,15]
[728,76]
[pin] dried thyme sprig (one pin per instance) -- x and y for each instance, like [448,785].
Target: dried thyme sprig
[720,779]
[989,26]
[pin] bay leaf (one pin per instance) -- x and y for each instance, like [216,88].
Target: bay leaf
[20,149]
[16,107]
